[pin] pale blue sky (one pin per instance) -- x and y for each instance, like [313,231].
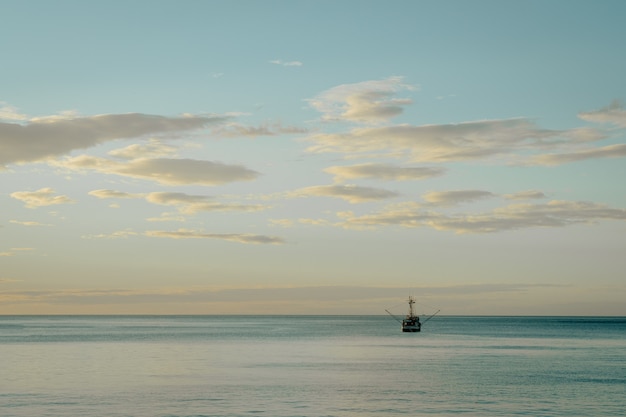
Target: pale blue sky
[312,156]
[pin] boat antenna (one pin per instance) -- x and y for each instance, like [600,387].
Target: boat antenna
[394,316]
[411,302]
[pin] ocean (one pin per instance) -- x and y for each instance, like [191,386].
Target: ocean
[184,366]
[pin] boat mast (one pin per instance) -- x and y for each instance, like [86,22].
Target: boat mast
[411,302]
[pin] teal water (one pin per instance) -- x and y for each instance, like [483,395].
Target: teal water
[311,366]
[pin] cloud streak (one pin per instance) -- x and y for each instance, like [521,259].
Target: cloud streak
[265,129]
[351,193]
[186,203]
[515,141]
[610,151]
[513,217]
[40,198]
[15,251]
[167,171]
[41,139]
[191,204]
[469,141]
[614,113]
[386,172]
[28,223]
[286,63]
[525,195]
[152,149]
[232,237]
[452,198]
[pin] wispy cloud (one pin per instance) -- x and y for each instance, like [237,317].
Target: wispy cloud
[233,237]
[610,151]
[246,238]
[41,197]
[41,139]
[452,198]
[11,113]
[153,149]
[365,102]
[103,194]
[186,203]
[190,204]
[519,216]
[286,63]
[480,140]
[167,217]
[167,171]
[28,223]
[265,129]
[525,195]
[614,113]
[351,193]
[14,251]
[119,234]
[514,141]
[385,172]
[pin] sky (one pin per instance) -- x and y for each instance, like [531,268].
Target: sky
[313,157]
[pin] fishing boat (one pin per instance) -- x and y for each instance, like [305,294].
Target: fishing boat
[411,322]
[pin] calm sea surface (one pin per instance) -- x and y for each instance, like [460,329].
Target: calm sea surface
[311,366]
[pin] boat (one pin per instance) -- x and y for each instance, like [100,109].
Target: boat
[411,322]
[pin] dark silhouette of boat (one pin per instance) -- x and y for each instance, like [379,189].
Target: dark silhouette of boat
[411,322]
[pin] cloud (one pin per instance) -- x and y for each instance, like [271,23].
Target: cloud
[525,195]
[265,129]
[13,251]
[368,102]
[46,138]
[610,151]
[167,217]
[516,140]
[153,149]
[10,113]
[614,113]
[351,193]
[120,234]
[172,199]
[190,204]
[286,63]
[449,142]
[519,216]
[383,171]
[186,203]
[41,197]
[193,234]
[28,223]
[168,171]
[282,222]
[113,194]
[451,198]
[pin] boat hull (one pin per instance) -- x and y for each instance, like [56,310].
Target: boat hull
[410,329]
[411,325]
